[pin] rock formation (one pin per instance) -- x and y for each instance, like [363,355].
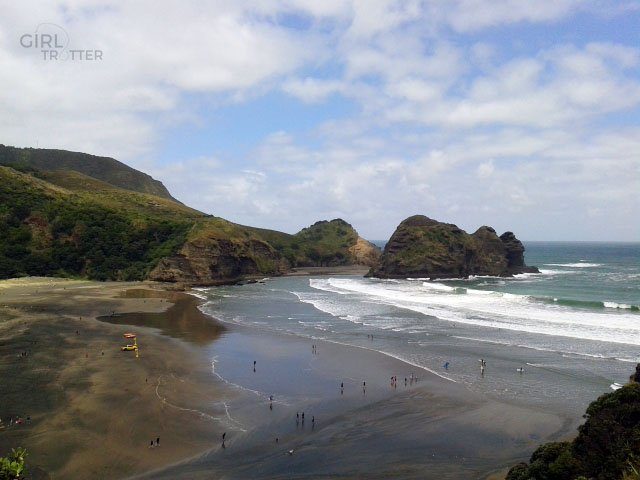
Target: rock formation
[423,247]
[215,261]
[365,253]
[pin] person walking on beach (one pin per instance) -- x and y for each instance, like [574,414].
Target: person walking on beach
[254,365]
[158,442]
[446,365]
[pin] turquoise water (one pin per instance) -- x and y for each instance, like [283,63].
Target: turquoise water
[589,275]
[574,327]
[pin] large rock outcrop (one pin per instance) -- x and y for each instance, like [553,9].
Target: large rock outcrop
[423,247]
[217,252]
[215,261]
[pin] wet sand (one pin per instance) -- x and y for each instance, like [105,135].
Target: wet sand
[432,428]
[93,415]
[360,270]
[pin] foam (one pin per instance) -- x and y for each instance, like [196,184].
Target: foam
[575,265]
[493,309]
[622,306]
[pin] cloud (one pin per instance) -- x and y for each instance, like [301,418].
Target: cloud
[450,118]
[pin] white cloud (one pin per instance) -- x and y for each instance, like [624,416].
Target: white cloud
[438,109]
[485,169]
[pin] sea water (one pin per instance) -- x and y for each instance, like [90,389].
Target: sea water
[574,328]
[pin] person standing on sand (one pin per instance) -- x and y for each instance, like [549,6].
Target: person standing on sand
[158,442]
[254,365]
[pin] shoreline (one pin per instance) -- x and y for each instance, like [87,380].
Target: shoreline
[451,419]
[178,342]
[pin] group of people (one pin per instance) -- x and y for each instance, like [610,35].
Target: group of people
[298,417]
[483,366]
[156,443]
[407,380]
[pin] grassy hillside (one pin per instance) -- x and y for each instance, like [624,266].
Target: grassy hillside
[72,214]
[83,227]
[325,243]
[106,169]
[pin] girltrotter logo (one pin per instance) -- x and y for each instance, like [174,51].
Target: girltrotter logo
[52,41]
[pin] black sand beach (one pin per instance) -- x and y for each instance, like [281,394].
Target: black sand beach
[433,428]
[94,414]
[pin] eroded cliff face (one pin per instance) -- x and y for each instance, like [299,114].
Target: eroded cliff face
[218,252]
[365,253]
[423,247]
[215,261]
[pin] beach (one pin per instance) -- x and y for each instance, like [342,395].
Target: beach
[94,415]
[93,409]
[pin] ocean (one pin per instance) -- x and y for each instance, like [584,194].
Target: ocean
[574,328]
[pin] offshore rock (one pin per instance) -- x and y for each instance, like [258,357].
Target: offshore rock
[423,247]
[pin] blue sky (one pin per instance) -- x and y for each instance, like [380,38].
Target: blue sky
[519,114]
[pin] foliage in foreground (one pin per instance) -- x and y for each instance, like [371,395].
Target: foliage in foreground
[12,466]
[606,448]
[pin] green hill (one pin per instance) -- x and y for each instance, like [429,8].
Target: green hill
[106,169]
[101,232]
[324,244]
[218,251]
[106,225]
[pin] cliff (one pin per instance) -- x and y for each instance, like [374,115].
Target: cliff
[423,247]
[72,214]
[217,251]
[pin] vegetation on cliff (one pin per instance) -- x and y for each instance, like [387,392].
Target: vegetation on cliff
[99,232]
[422,247]
[607,446]
[218,251]
[323,244]
[105,225]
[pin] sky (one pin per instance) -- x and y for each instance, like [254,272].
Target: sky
[519,114]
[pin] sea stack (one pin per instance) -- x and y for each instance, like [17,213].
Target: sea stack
[423,247]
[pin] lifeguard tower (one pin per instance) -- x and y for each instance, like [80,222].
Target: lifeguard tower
[131,347]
